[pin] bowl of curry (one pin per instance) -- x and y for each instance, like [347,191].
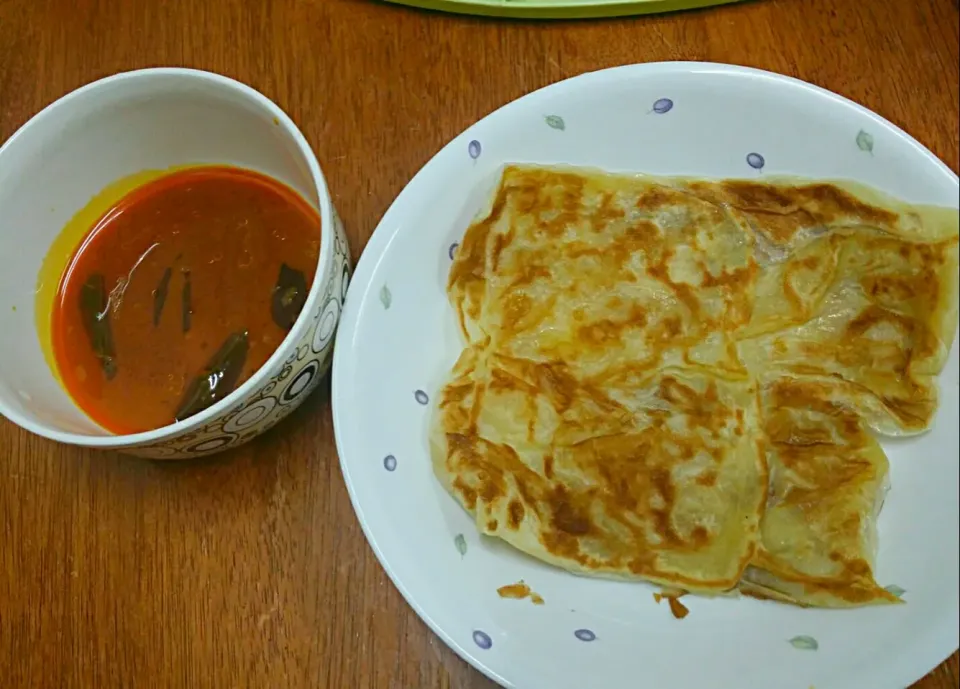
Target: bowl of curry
[172,264]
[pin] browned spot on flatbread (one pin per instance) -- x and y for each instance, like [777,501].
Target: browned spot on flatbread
[516,513]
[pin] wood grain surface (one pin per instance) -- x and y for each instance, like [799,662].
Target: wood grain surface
[249,569]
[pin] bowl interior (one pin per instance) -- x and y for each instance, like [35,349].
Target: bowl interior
[108,130]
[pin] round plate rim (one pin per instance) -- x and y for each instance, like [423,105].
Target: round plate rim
[388,227]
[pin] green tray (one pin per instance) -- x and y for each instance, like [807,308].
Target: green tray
[558,9]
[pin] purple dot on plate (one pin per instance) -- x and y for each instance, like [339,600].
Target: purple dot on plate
[756,161]
[475,149]
[662,106]
[585,635]
[390,463]
[452,250]
[421,397]
[482,639]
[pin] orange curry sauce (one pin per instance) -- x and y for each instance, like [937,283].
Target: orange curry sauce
[187,261]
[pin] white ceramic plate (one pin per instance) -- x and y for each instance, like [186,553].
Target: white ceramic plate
[398,339]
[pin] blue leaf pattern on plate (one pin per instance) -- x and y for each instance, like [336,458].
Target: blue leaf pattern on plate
[421,397]
[475,149]
[663,106]
[555,122]
[804,643]
[452,250]
[585,635]
[895,590]
[390,463]
[756,161]
[482,639]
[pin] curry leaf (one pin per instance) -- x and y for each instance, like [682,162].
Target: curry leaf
[289,296]
[160,295]
[95,312]
[186,303]
[218,377]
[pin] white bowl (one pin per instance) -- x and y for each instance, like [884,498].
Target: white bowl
[153,119]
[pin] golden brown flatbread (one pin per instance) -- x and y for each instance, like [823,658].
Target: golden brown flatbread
[674,380]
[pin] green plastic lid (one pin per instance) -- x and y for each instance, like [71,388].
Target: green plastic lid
[558,9]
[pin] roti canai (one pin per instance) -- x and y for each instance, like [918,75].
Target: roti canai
[676,380]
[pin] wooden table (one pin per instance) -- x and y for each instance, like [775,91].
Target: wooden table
[249,569]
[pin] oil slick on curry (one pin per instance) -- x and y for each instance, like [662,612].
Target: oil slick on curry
[171,288]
